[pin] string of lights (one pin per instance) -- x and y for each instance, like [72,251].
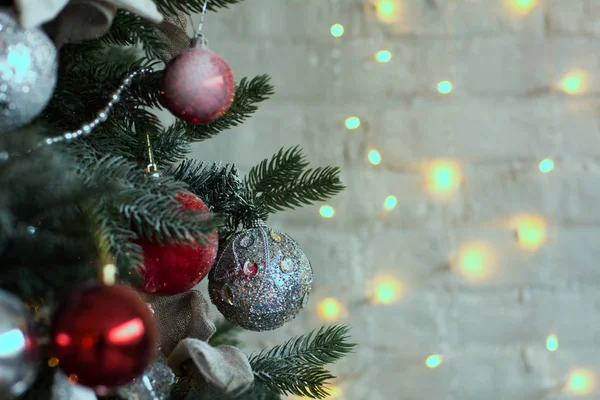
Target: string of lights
[472,260]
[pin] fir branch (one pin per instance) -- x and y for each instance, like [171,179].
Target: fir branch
[283,167]
[147,205]
[226,333]
[175,7]
[129,29]
[284,182]
[296,367]
[247,95]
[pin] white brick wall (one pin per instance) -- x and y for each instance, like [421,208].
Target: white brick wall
[501,119]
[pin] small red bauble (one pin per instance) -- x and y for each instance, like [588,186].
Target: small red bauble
[170,270]
[103,336]
[198,85]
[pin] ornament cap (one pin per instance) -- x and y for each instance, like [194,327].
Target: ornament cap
[257,223]
[199,41]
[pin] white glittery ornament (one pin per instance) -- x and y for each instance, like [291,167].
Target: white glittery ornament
[28,72]
[261,279]
[154,384]
[19,354]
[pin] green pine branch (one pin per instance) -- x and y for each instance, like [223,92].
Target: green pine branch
[284,182]
[296,367]
[129,29]
[175,7]
[226,334]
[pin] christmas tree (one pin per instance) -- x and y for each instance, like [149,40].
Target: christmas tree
[106,224]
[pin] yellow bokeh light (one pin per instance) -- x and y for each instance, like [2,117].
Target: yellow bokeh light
[444,87]
[352,122]
[443,177]
[53,362]
[383,56]
[531,231]
[546,165]
[330,309]
[581,381]
[390,203]
[387,10]
[434,361]
[335,392]
[386,289]
[337,30]
[522,7]
[475,260]
[574,82]
[552,343]
[327,211]
[374,157]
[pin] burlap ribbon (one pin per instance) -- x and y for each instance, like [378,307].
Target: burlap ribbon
[184,327]
[75,20]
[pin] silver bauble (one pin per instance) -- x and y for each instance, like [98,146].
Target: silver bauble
[261,279]
[28,72]
[18,351]
[154,384]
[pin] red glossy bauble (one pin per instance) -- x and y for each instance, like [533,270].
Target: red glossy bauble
[170,270]
[103,336]
[198,85]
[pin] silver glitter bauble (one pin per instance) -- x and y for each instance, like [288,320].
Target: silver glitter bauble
[28,72]
[261,279]
[18,350]
[154,384]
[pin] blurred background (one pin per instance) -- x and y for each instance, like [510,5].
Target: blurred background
[464,251]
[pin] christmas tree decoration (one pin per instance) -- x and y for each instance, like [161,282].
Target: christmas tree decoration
[198,85]
[28,72]
[18,347]
[261,280]
[173,269]
[75,20]
[103,336]
[154,384]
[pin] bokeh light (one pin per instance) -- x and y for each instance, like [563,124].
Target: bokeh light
[552,343]
[434,361]
[531,231]
[386,289]
[335,392]
[443,177]
[388,11]
[574,82]
[390,203]
[475,260]
[327,211]
[352,122]
[383,56]
[444,87]
[522,7]
[337,30]
[546,165]
[581,381]
[374,157]
[53,362]
[330,309]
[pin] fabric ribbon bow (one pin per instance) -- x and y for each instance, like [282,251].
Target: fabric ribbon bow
[74,20]
[184,328]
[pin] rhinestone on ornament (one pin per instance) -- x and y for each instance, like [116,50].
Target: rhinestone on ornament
[275,237]
[247,241]
[286,265]
[250,268]
[227,294]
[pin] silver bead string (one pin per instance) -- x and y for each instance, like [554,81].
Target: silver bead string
[102,115]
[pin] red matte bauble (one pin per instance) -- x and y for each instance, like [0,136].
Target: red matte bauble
[174,269]
[103,336]
[197,85]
